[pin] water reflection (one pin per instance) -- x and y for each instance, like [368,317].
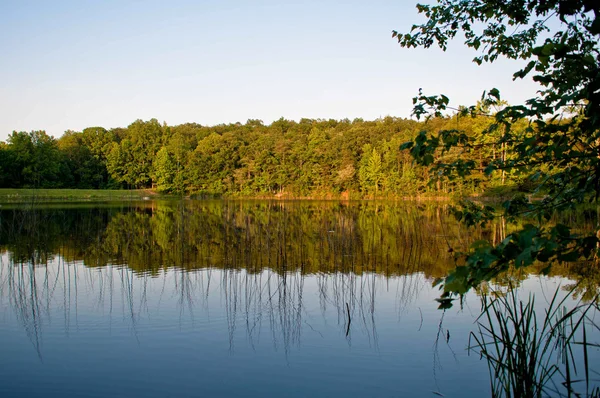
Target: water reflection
[391,238]
[254,303]
[339,290]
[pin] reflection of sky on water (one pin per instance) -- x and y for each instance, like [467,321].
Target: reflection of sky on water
[75,331]
[240,298]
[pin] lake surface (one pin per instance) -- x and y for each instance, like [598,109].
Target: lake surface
[239,299]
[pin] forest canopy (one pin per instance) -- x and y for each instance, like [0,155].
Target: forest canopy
[309,158]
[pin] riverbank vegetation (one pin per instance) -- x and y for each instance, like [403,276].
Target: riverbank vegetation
[29,195]
[309,158]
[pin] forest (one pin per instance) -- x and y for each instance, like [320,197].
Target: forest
[309,158]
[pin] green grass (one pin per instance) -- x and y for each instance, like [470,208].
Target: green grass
[10,195]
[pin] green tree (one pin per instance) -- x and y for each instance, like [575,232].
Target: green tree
[99,141]
[165,171]
[18,156]
[210,166]
[370,171]
[37,159]
[558,151]
[130,160]
[118,163]
[84,169]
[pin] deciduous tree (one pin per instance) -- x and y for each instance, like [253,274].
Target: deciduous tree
[558,151]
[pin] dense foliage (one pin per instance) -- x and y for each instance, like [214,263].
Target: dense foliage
[310,158]
[558,151]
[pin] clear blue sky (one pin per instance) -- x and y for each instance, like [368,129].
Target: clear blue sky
[74,64]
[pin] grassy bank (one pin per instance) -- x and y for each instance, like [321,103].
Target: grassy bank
[10,195]
[15,195]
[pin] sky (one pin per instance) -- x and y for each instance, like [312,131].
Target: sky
[68,65]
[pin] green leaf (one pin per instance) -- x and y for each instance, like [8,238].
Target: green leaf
[562,230]
[495,93]
[569,256]
[427,159]
[407,145]
[524,259]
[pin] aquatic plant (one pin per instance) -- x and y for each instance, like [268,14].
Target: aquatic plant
[533,356]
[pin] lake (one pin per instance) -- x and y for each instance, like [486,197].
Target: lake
[242,299]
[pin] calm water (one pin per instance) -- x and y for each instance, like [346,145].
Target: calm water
[248,299]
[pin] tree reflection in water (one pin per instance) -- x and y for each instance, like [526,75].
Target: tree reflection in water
[255,258]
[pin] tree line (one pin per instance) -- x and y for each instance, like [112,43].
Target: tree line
[308,158]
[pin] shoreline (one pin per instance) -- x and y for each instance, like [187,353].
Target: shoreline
[25,195]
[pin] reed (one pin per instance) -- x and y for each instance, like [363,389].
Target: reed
[533,356]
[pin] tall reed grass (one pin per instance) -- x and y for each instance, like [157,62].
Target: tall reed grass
[530,354]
